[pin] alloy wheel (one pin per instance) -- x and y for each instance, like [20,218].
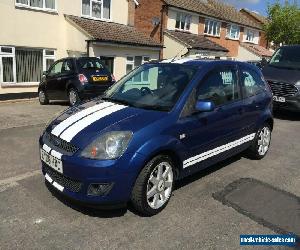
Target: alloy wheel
[264,140]
[160,184]
[42,96]
[73,97]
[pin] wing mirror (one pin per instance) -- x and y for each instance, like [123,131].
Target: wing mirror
[45,73]
[205,106]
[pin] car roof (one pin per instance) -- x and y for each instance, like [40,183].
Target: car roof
[206,62]
[79,57]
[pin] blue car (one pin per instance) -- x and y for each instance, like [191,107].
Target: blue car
[160,123]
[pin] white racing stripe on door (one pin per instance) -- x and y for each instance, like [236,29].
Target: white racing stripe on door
[74,118]
[46,148]
[206,155]
[73,130]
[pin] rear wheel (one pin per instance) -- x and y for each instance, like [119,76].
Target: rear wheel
[261,143]
[73,97]
[43,99]
[154,185]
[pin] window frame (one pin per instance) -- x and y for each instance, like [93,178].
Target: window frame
[246,35]
[129,62]
[45,57]
[91,11]
[8,55]
[13,55]
[187,17]
[242,86]
[207,24]
[228,32]
[28,6]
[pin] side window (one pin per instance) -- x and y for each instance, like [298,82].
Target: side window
[219,86]
[252,82]
[67,66]
[56,68]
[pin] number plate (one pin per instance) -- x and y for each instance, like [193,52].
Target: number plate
[278,98]
[100,78]
[52,161]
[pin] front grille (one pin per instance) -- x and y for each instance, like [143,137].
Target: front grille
[283,89]
[72,185]
[59,143]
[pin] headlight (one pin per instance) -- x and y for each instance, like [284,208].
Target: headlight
[298,84]
[108,146]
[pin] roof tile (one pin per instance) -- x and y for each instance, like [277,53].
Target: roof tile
[113,32]
[195,41]
[216,9]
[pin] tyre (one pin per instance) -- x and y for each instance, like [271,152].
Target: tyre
[153,187]
[43,99]
[73,97]
[261,143]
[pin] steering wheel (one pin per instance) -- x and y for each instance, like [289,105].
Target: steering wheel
[146,91]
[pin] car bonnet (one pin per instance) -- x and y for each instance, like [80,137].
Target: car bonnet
[82,124]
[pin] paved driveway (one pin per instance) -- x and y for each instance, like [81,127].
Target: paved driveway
[32,218]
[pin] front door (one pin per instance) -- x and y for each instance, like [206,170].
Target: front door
[209,135]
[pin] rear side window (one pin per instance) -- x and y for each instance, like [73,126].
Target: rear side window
[90,64]
[219,86]
[252,82]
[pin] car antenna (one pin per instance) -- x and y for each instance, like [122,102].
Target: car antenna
[173,59]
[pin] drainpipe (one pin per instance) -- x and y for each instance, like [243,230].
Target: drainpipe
[88,47]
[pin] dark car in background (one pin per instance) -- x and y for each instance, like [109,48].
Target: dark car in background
[283,76]
[74,79]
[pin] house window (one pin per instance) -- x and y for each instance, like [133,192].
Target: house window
[99,9]
[134,62]
[250,36]
[183,21]
[24,65]
[49,59]
[233,31]
[212,27]
[37,4]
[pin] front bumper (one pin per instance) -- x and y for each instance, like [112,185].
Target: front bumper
[79,173]
[291,103]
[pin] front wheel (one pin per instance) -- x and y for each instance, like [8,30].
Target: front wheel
[261,143]
[73,97]
[154,185]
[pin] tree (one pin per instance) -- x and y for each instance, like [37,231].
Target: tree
[284,23]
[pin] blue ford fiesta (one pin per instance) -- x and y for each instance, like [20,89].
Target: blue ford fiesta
[160,123]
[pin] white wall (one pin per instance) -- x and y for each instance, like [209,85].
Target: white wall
[246,55]
[120,54]
[173,48]
[172,13]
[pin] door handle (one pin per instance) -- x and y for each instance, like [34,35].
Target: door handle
[59,78]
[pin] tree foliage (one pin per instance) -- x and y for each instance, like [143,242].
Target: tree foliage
[284,23]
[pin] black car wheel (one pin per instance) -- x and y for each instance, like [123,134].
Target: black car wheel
[43,99]
[73,97]
[261,143]
[153,187]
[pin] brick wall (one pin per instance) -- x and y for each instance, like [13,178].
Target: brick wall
[144,13]
[231,45]
[263,41]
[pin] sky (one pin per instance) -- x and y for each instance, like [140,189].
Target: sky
[259,6]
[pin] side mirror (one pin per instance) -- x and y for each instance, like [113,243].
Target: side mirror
[45,73]
[205,106]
